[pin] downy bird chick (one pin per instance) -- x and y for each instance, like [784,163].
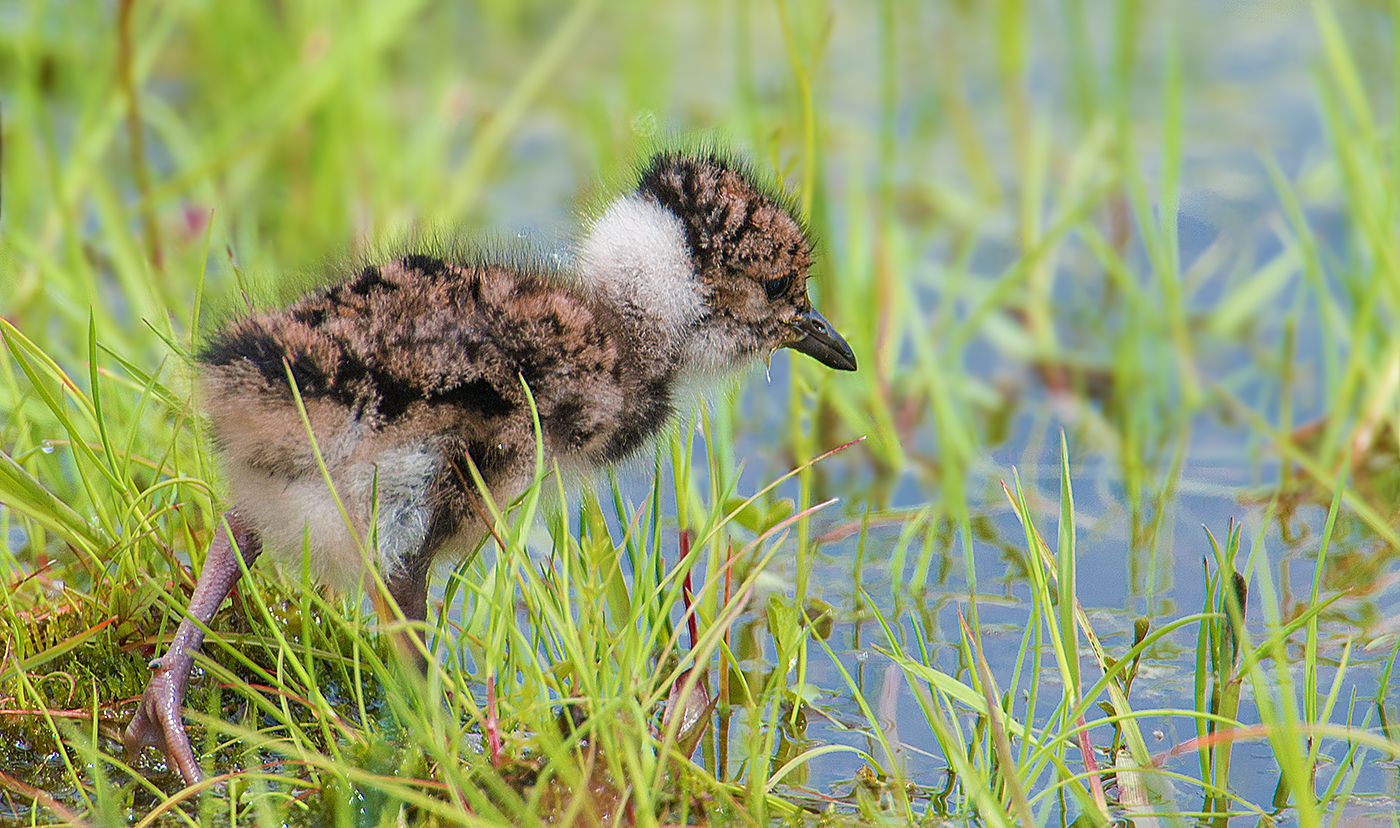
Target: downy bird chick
[411,368]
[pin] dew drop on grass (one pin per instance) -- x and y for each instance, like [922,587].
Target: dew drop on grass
[46,446]
[644,123]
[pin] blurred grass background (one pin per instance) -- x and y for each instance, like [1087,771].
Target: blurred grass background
[1168,228]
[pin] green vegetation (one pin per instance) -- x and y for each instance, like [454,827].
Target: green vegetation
[999,188]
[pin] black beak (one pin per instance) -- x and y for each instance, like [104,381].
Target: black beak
[821,342]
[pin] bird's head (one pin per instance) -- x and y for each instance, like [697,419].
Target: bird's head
[716,260]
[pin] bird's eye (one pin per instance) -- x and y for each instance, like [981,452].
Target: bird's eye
[776,288]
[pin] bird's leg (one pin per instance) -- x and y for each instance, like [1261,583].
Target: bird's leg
[157,722]
[409,590]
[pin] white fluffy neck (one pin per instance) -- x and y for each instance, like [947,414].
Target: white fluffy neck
[636,254]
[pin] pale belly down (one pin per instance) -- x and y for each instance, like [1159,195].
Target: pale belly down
[323,524]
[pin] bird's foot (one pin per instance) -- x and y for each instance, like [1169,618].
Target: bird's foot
[157,722]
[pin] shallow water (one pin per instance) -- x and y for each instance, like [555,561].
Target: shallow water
[1250,75]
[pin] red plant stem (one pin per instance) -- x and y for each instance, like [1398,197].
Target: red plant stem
[687,596]
[1095,784]
[493,726]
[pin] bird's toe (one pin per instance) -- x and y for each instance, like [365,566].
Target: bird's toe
[157,722]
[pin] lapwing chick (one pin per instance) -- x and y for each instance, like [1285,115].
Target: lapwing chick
[411,372]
